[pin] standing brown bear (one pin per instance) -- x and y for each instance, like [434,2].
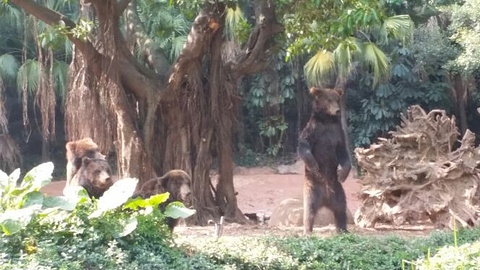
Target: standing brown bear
[175,182]
[87,167]
[322,147]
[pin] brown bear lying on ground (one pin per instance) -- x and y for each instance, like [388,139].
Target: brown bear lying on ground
[87,167]
[177,183]
[322,147]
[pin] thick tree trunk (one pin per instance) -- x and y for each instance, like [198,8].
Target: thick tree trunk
[116,101]
[200,106]
[224,109]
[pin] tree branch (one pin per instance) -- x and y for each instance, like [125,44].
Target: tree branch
[203,28]
[51,17]
[254,60]
[155,56]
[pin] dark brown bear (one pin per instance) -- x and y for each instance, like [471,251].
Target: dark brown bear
[175,182]
[95,175]
[322,147]
[76,151]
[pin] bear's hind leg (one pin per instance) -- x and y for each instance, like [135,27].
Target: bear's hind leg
[338,204]
[312,198]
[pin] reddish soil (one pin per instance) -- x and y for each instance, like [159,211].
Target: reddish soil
[260,190]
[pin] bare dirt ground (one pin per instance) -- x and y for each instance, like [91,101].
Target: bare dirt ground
[260,190]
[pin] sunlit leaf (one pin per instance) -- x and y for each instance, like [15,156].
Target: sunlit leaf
[115,196]
[33,198]
[13,221]
[38,176]
[320,68]
[129,226]
[64,203]
[399,27]
[152,201]
[178,210]
[376,59]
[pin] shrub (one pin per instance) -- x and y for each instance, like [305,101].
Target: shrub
[466,256]
[76,232]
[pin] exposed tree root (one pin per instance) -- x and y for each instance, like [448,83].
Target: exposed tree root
[415,176]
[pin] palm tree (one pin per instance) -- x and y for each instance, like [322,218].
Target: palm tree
[360,51]
[9,150]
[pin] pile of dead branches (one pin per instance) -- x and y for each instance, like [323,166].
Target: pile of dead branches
[415,176]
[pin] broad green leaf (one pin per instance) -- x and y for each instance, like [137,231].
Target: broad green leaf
[152,201]
[76,192]
[115,196]
[178,210]
[12,221]
[31,199]
[134,204]
[65,203]
[13,177]
[38,176]
[130,226]
[4,180]
[9,182]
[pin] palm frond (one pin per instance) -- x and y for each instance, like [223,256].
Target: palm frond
[233,18]
[164,22]
[177,46]
[181,25]
[28,75]
[12,16]
[56,5]
[343,56]
[8,67]
[68,48]
[399,27]
[376,59]
[60,75]
[320,68]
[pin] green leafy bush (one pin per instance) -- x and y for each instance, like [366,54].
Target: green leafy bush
[76,232]
[466,256]
[114,232]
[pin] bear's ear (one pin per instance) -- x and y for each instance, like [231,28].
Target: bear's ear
[70,146]
[86,161]
[315,91]
[339,91]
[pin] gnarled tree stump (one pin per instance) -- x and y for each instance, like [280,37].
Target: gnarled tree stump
[415,176]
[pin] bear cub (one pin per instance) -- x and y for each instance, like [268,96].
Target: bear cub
[175,182]
[322,147]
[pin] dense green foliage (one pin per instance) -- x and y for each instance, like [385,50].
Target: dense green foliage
[79,242]
[337,252]
[114,232]
[76,232]
[450,257]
